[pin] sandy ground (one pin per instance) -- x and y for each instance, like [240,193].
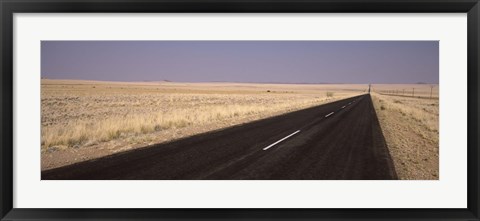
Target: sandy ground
[410,127]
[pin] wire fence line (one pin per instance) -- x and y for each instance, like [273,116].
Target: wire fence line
[410,92]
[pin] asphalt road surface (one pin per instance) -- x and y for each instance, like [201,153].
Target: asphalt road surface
[336,141]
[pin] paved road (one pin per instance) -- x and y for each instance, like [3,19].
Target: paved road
[337,141]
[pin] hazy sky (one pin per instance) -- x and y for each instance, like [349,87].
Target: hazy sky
[243,61]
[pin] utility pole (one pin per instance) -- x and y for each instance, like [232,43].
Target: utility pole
[369,85]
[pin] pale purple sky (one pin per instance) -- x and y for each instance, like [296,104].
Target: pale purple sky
[243,61]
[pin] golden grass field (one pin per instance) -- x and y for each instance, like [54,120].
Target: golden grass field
[411,128]
[87,119]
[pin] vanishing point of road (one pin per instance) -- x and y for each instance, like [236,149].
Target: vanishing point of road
[341,140]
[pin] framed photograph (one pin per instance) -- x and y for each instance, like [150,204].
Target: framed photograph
[248,110]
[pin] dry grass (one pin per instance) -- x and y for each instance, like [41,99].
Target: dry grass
[411,129]
[78,114]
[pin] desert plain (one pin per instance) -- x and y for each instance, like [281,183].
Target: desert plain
[83,120]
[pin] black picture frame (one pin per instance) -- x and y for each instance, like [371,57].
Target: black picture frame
[9,7]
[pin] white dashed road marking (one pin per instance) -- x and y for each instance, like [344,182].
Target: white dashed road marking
[273,144]
[329,114]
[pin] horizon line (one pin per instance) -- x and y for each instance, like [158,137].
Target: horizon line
[244,82]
